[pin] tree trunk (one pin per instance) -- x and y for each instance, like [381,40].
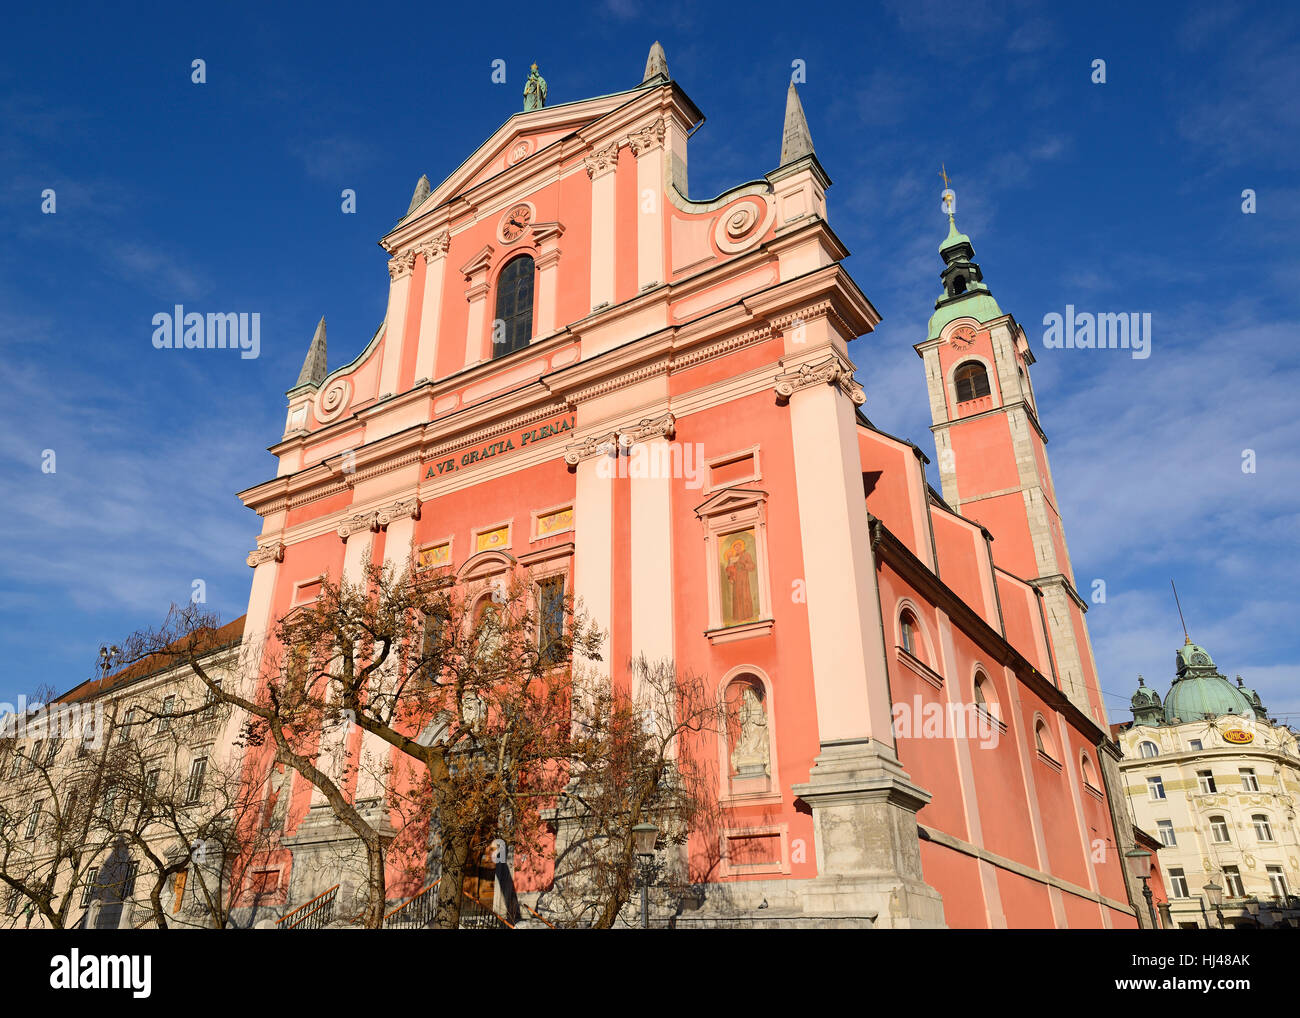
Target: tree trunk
[452,876]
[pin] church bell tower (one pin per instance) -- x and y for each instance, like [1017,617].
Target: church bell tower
[992,452]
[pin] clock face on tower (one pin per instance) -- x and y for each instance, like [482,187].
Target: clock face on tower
[515,222]
[962,338]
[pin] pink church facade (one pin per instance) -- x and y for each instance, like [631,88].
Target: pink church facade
[583,374]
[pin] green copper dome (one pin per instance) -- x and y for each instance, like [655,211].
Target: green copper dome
[1146,705]
[954,238]
[1199,691]
[965,294]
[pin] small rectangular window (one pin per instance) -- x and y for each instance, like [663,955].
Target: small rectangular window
[88,887]
[195,787]
[1177,884]
[128,720]
[1166,830]
[1205,779]
[1249,781]
[164,717]
[1156,788]
[550,629]
[34,819]
[1233,886]
[211,700]
[128,879]
[1195,745]
[1277,881]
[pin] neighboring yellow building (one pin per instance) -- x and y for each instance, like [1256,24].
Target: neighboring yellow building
[1210,775]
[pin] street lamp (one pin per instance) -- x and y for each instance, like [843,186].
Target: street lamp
[644,837]
[1138,861]
[1215,893]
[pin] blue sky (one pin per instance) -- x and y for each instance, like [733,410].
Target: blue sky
[1115,197]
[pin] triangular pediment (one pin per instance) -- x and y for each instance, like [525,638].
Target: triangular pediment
[729,499]
[534,131]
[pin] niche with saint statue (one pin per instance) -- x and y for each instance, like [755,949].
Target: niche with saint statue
[749,744]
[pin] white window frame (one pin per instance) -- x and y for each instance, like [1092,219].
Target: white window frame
[1249,779]
[1261,821]
[88,885]
[1164,827]
[1220,831]
[1205,782]
[198,772]
[1156,784]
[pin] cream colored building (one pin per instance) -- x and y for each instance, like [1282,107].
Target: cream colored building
[74,777]
[1208,774]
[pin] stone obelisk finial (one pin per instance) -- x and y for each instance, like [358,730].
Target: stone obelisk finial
[313,368]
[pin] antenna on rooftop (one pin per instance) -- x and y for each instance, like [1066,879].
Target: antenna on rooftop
[1186,638]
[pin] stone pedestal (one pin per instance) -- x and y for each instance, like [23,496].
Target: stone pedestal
[868,853]
[327,852]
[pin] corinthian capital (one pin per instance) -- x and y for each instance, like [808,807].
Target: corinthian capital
[435,246]
[602,160]
[400,265]
[647,138]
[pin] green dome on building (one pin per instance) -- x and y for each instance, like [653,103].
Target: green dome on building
[1199,691]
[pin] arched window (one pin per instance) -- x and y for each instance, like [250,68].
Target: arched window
[1089,772]
[972,381]
[1149,749]
[910,633]
[512,328]
[1043,740]
[986,696]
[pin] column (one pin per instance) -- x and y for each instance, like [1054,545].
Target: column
[434,251]
[864,804]
[600,168]
[476,273]
[547,237]
[399,292]
[648,147]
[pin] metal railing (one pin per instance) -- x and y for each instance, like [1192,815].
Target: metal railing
[312,916]
[417,912]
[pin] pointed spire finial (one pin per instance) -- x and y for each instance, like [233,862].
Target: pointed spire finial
[313,367]
[796,140]
[656,64]
[421,192]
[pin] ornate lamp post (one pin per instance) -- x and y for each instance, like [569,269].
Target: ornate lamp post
[1215,893]
[644,837]
[1138,861]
